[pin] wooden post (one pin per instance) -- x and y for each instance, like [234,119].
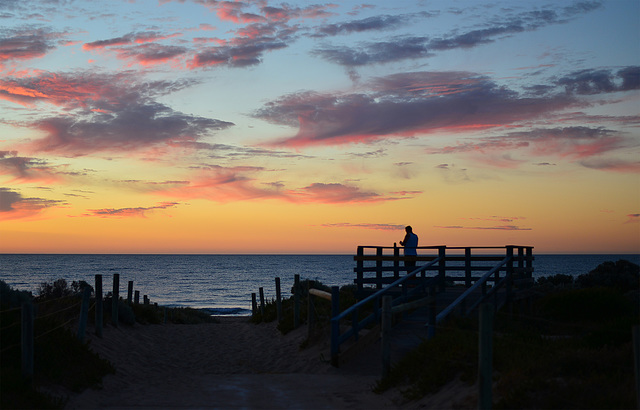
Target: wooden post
[359,270]
[467,267]
[485,357]
[296,301]
[278,300]
[335,325]
[27,340]
[99,308]
[130,292]
[311,314]
[379,267]
[636,360]
[442,267]
[396,261]
[84,313]
[262,302]
[386,335]
[432,312]
[254,304]
[136,297]
[529,263]
[146,300]
[115,298]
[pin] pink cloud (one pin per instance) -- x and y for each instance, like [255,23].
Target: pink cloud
[14,206]
[137,212]
[633,218]
[378,227]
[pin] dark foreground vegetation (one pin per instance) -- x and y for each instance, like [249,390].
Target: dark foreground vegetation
[571,347]
[61,361]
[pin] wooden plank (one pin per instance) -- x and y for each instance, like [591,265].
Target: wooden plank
[320,293]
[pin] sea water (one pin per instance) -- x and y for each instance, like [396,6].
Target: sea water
[222,284]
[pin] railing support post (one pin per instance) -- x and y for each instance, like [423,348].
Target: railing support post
[396,261]
[335,325]
[27,339]
[386,335]
[359,270]
[485,357]
[442,266]
[467,267]
[296,301]
[99,307]
[379,267]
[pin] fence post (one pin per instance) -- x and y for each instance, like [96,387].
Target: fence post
[379,267]
[130,292]
[99,311]
[396,261]
[467,267]
[296,301]
[136,297]
[386,335]
[311,314]
[254,304]
[335,325]
[442,267]
[115,298]
[636,360]
[485,357]
[278,300]
[432,309]
[84,313]
[262,302]
[27,339]
[359,270]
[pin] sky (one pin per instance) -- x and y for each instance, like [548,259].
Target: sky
[256,126]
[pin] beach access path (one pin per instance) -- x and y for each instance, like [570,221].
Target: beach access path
[237,364]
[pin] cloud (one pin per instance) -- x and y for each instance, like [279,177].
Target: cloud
[335,193]
[496,228]
[374,23]
[128,39]
[137,212]
[411,47]
[14,206]
[111,112]
[25,169]
[612,164]
[590,81]
[26,43]
[633,218]
[404,105]
[377,227]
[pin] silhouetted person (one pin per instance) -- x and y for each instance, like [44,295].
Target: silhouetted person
[410,243]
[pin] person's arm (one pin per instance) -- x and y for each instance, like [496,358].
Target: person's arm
[406,238]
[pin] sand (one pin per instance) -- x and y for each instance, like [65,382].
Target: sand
[236,364]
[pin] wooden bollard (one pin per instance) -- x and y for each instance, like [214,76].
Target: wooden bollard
[99,308]
[115,298]
[136,297]
[278,300]
[485,357]
[130,292]
[386,335]
[296,301]
[262,302]
[27,340]
[146,300]
[84,313]
[254,304]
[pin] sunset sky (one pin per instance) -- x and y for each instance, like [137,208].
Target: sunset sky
[202,126]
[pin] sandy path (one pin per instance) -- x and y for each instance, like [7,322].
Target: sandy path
[232,364]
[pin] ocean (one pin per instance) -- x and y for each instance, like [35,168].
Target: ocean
[222,284]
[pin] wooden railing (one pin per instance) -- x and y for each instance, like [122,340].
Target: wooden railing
[381,271]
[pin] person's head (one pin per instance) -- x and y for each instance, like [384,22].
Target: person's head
[409,229]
